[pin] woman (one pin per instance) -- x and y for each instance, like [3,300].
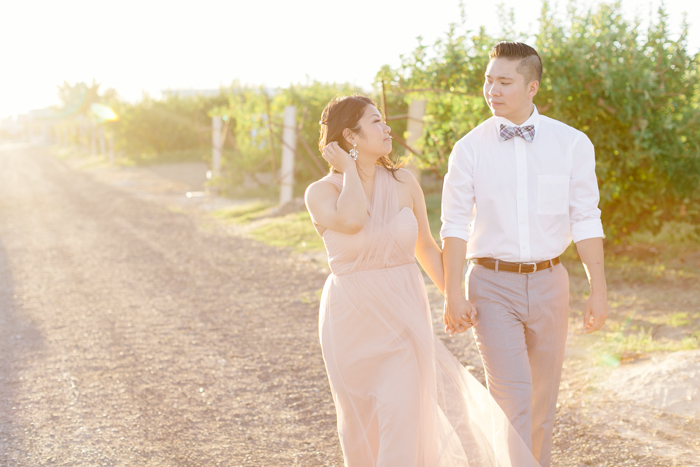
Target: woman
[402,399]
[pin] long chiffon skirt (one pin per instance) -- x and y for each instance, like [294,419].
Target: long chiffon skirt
[402,398]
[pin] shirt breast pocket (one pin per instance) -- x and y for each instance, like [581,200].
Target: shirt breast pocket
[552,194]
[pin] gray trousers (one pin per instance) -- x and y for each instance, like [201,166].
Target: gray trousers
[521,335]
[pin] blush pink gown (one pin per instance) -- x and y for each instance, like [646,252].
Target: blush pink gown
[402,399]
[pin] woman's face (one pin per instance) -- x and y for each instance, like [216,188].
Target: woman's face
[373,139]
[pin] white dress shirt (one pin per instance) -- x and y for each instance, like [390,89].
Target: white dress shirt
[521,201]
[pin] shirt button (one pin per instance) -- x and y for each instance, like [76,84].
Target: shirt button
[522,222]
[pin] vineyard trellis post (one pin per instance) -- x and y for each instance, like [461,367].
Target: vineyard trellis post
[289,139]
[216,146]
[110,150]
[414,128]
[92,128]
[101,140]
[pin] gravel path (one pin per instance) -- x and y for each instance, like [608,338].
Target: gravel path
[132,334]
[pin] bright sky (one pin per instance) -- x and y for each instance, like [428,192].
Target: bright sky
[151,45]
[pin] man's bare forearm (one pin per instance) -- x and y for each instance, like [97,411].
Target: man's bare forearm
[593,259]
[454,253]
[596,309]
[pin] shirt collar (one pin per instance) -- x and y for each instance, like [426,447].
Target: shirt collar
[533,120]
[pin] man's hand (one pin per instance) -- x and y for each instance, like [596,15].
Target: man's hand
[459,315]
[596,312]
[591,252]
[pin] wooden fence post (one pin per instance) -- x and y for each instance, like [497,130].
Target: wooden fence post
[110,143]
[84,136]
[101,137]
[93,138]
[216,124]
[414,128]
[289,147]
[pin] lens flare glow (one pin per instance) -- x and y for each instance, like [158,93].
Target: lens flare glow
[103,113]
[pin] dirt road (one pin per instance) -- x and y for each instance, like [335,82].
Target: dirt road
[131,335]
[135,335]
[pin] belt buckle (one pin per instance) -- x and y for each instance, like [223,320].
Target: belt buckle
[520,267]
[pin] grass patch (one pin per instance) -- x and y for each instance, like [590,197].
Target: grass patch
[237,191]
[311,298]
[672,254]
[291,231]
[61,152]
[677,319]
[242,213]
[619,347]
[94,162]
[624,268]
[87,160]
[170,157]
[636,336]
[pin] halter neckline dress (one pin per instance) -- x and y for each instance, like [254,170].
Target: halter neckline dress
[402,398]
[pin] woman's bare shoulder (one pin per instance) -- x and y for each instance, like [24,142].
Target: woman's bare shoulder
[321,189]
[403,175]
[408,180]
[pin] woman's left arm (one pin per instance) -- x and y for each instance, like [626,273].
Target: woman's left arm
[428,252]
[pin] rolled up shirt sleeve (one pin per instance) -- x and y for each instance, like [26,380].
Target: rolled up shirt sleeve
[458,193]
[584,196]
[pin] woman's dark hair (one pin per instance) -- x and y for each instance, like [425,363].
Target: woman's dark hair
[345,112]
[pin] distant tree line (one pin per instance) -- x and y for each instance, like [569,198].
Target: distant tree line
[634,92]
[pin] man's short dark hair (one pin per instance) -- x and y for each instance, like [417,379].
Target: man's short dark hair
[530,65]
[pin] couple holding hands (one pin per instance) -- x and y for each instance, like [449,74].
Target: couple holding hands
[519,188]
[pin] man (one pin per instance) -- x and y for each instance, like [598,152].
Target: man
[519,188]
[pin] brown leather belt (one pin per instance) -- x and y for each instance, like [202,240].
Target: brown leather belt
[521,268]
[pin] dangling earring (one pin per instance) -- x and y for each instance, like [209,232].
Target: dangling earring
[354,152]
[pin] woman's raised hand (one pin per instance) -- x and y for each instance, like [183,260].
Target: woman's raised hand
[337,157]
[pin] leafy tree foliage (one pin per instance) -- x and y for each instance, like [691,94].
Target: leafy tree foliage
[76,98]
[170,129]
[76,113]
[635,93]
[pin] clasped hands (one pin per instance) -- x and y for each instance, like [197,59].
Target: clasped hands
[459,315]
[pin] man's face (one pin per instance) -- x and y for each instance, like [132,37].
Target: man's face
[506,92]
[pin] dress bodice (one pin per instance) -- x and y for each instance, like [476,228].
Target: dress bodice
[387,239]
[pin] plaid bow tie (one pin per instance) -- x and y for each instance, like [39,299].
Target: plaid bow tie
[525,132]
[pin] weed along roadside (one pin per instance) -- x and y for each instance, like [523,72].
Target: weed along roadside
[629,388]
[288,226]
